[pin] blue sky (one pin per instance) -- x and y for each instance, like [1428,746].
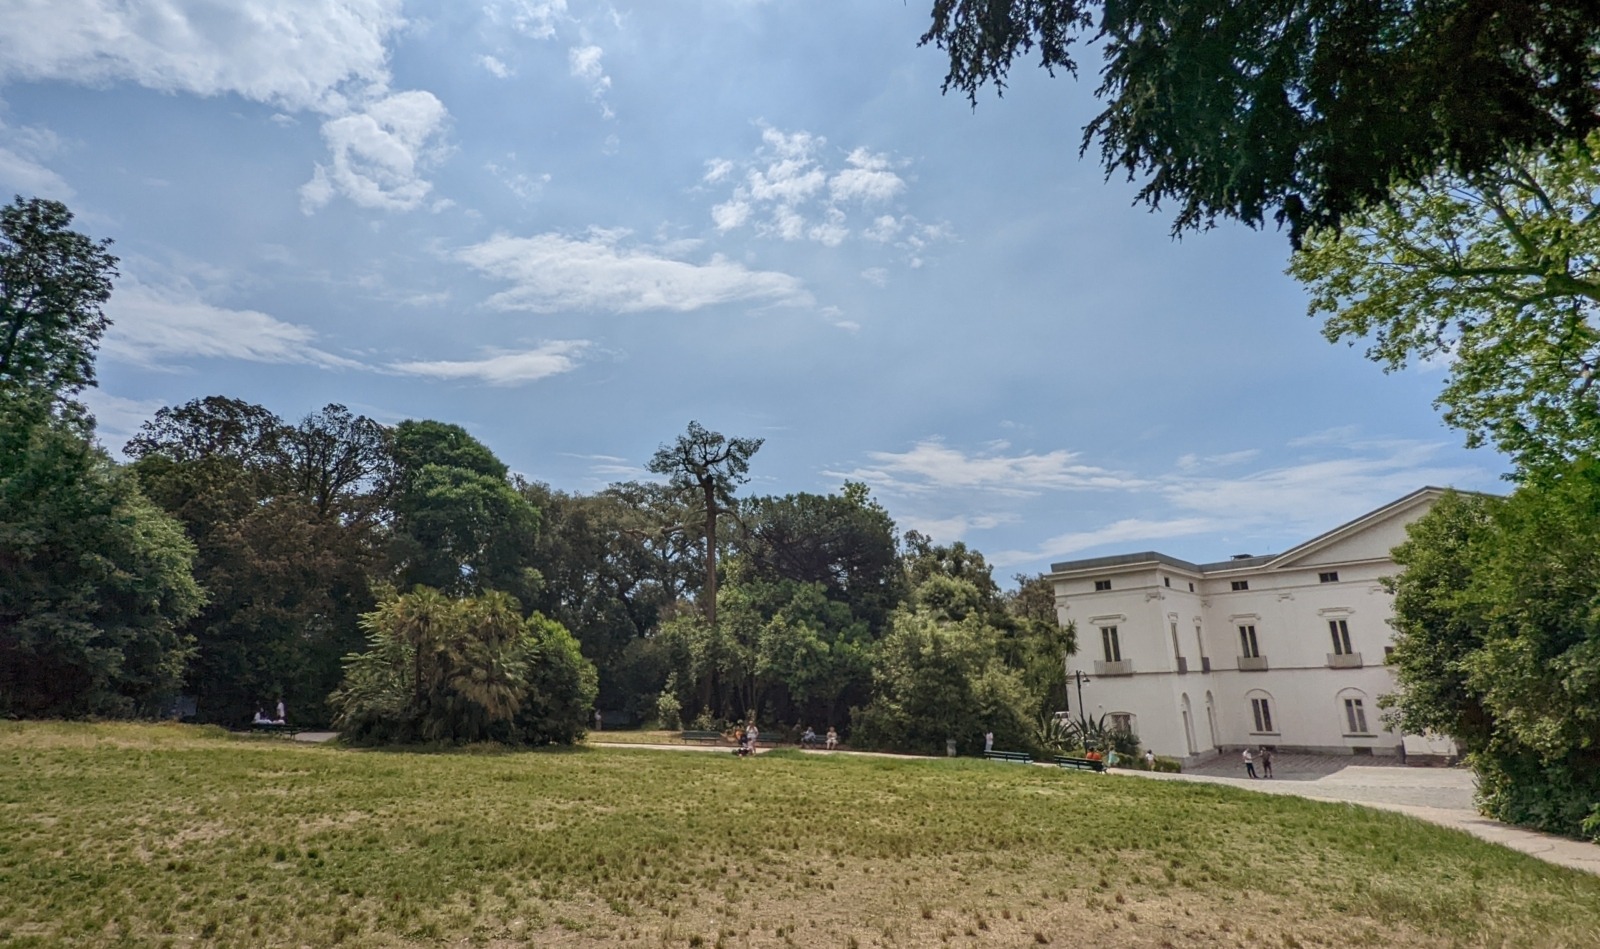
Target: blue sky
[573,227]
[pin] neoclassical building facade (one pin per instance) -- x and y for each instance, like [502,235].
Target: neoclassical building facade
[1285,650]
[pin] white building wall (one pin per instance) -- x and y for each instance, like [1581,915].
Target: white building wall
[1290,606]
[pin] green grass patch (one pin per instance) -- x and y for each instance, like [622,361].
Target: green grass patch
[165,835]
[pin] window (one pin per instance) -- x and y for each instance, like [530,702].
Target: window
[1241,584]
[1177,651]
[1355,716]
[1191,586]
[1122,722]
[1340,630]
[1248,647]
[1261,709]
[1167,581]
[1108,639]
[1331,576]
[1199,640]
[1102,585]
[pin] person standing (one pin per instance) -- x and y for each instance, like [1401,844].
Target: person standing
[752,733]
[597,719]
[1249,763]
[1266,761]
[1149,759]
[282,718]
[988,742]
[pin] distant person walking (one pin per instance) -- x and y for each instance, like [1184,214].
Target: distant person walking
[988,742]
[1249,763]
[597,720]
[752,733]
[1266,761]
[1150,759]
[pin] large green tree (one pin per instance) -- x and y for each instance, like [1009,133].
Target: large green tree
[461,670]
[95,582]
[54,282]
[1302,110]
[1497,277]
[708,465]
[1497,620]
[285,520]
[460,525]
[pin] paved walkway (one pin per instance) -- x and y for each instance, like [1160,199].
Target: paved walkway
[1438,795]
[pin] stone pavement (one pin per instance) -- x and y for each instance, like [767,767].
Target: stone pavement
[1440,796]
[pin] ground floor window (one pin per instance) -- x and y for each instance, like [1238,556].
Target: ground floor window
[1355,716]
[1261,709]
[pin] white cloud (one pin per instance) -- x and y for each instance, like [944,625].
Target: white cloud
[877,276]
[156,326]
[504,368]
[948,530]
[526,187]
[117,419]
[532,18]
[551,272]
[932,465]
[791,189]
[585,64]
[494,67]
[1126,531]
[1194,462]
[290,54]
[380,153]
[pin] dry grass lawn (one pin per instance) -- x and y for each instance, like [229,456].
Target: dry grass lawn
[166,835]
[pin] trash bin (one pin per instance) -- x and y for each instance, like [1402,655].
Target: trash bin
[950,747]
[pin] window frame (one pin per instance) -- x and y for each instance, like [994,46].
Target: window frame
[1261,715]
[1331,576]
[1355,714]
[1339,629]
[1111,643]
[1101,586]
[1239,586]
[1249,643]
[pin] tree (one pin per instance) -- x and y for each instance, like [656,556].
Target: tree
[463,670]
[284,521]
[53,283]
[96,580]
[1496,275]
[711,465]
[460,524]
[1308,111]
[1497,620]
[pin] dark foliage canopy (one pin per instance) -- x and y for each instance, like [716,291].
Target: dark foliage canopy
[1302,109]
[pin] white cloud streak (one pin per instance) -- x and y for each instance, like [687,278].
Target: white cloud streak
[503,368]
[379,154]
[554,272]
[158,326]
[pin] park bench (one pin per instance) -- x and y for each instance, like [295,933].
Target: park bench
[1020,757]
[275,728]
[694,735]
[1081,764]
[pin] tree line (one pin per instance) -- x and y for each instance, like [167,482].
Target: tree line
[399,582]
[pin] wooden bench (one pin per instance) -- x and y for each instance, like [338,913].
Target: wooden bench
[1080,764]
[1020,757]
[693,735]
[275,728]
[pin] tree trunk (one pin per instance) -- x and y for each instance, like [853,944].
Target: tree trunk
[711,553]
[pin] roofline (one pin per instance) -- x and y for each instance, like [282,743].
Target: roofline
[1156,558]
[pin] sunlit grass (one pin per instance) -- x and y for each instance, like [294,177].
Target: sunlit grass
[150,835]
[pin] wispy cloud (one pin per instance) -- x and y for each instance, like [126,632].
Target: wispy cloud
[931,465]
[795,188]
[1126,531]
[494,66]
[23,153]
[504,368]
[162,326]
[117,419]
[603,271]
[585,63]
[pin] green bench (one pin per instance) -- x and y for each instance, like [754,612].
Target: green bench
[693,735]
[1080,764]
[1020,757]
[275,728]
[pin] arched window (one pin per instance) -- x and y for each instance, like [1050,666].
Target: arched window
[1261,709]
[1353,712]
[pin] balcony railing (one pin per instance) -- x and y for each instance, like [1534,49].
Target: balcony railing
[1252,663]
[1122,667]
[1349,660]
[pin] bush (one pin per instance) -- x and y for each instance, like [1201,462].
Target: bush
[669,714]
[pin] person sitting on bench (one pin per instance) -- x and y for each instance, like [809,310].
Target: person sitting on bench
[810,737]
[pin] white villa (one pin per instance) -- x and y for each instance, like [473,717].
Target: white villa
[1285,650]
